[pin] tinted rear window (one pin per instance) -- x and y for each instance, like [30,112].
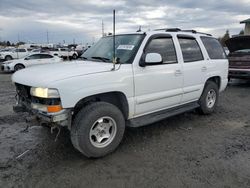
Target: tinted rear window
[190,50]
[214,48]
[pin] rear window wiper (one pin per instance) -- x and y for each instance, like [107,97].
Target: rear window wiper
[104,59]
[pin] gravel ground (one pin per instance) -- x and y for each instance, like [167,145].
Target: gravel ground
[187,150]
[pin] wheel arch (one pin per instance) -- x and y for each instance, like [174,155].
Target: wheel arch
[116,98]
[215,79]
[8,55]
[19,64]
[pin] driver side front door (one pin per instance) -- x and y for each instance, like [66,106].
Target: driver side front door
[158,86]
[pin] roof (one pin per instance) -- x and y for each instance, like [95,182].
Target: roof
[167,31]
[245,21]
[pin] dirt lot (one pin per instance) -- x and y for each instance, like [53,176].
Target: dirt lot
[188,150]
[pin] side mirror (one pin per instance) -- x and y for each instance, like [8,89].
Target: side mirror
[151,59]
[27,58]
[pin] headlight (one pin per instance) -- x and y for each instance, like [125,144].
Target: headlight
[44,92]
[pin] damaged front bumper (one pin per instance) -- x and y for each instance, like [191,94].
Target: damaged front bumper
[62,118]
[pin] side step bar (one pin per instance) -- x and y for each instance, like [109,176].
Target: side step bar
[158,116]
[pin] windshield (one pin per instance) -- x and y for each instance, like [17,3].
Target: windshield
[126,47]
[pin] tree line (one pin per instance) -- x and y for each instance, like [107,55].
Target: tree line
[226,36]
[8,43]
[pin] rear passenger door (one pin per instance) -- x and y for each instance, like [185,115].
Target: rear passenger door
[20,53]
[194,68]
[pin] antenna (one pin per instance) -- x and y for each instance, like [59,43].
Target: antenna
[102,29]
[139,30]
[114,58]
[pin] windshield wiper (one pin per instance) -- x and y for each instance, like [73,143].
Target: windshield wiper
[104,59]
[83,58]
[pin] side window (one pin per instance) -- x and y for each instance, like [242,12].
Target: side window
[45,56]
[214,48]
[190,50]
[21,50]
[165,47]
[33,57]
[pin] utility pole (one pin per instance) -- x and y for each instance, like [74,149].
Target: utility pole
[102,28]
[73,41]
[18,37]
[47,37]
[0,35]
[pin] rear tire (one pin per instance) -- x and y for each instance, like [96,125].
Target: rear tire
[8,57]
[209,98]
[18,67]
[97,129]
[74,56]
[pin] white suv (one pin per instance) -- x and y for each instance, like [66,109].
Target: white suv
[64,53]
[158,74]
[14,54]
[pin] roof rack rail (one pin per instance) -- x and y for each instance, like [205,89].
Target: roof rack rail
[169,29]
[196,32]
[179,30]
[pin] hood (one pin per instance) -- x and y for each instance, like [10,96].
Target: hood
[11,61]
[44,75]
[238,43]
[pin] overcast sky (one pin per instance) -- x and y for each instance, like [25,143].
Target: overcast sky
[29,20]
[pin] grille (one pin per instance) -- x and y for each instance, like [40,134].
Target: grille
[23,92]
[24,95]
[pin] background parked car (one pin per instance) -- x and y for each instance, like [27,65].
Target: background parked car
[64,53]
[30,60]
[239,57]
[14,54]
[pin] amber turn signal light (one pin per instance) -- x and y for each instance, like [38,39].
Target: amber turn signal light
[54,108]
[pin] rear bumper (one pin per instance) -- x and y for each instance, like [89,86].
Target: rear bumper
[223,84]
[239,73]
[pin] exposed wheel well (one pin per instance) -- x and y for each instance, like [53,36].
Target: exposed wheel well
[215,79]
[116,98]
[8,56]
[20,64]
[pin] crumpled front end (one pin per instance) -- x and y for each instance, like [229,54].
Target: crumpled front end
[45,110]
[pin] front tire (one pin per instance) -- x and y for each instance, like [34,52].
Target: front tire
[209,98]
[97,129]
[18,67]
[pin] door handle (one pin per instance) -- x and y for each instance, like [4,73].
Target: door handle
[204,69]
[178,73]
